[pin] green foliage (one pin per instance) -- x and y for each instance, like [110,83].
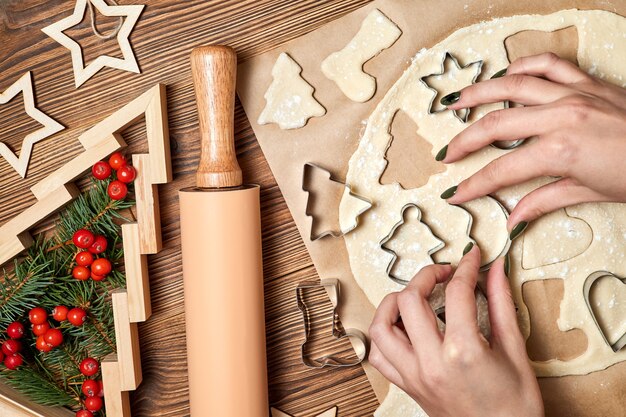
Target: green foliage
[43,278]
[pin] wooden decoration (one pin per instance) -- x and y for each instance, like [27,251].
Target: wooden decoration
[50,126]
[101,140]
[81,73]
[122,372]
[15,404]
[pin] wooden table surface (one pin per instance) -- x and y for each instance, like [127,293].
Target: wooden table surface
[162,41]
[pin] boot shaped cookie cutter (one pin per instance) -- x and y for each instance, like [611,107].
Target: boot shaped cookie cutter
[357,337]
[501,144]
[591,279]
[394,255]
[306,173]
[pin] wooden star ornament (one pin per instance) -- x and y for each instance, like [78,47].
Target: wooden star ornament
[50,126]
[82,73]
[331,412]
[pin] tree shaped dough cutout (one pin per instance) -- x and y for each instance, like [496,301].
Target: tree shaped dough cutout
[411,244]
[289,99]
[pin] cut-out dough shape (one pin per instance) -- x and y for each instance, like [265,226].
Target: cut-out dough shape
[606,298]
[563,42]
[126,63]
[50,126]
[351,205]
[331,412]
[546,341]
[450,78]
[409,160]
[410,244]
[553,238]
[345,67]
[289,99]
[485,40]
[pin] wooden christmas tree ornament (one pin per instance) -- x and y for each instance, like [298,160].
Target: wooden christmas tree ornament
[121,372]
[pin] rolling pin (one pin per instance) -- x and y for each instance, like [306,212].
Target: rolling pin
[222,259]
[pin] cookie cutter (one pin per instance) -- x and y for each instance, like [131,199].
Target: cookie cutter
[306,173]
[357,337]
[394,255]
[591,279]
[507,144]
[455,61]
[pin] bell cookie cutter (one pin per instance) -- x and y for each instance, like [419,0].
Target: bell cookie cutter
[591,279]
[357,337]
[394,255]
[306,173]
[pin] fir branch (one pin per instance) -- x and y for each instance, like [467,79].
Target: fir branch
[38,387]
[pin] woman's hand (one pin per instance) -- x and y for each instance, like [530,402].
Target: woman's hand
[580,123]
[458,373]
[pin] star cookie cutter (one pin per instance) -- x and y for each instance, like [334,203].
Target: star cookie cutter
[455,61]
[591,279]
[389,236]
[357,337]
[306,173]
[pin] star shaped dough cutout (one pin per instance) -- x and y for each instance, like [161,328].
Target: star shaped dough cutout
[82,73]
[453,77]
[331,412]
[50,126]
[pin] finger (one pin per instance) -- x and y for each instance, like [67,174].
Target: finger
[549,66]
[522,89]
[502,316]
[460,298]
[392,342]
[518,166]
[550,197]
[380,362]
[508,124]
[417,315]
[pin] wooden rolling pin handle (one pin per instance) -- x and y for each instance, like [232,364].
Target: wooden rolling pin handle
[214,71]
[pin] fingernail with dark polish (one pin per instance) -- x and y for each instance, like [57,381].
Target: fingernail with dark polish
[518,230]
[450,98]
[449,192]
[468,248]
[441,155]
[443,263]
[507,265]
[499,74]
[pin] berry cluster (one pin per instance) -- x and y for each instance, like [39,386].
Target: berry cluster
[91,388]
[86,265]
[12,347]
[124,173]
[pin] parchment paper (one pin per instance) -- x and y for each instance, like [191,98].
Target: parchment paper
[329,141]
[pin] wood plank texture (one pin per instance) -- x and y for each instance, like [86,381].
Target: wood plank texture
[162,40]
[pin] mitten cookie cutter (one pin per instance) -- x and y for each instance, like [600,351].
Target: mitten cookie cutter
[455,61]
[306,173]
[591,279]
[393,254]
[357,337]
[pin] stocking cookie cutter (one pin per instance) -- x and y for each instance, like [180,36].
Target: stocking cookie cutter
[357,337]
[591,279]
[306,173]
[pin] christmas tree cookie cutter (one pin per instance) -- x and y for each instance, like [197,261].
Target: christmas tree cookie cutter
[306,174]
[394,255]
[356,337]
[591,279]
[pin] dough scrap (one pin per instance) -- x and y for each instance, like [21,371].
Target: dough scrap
[289,99]
[554,238]
[345,67]
[602,52]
